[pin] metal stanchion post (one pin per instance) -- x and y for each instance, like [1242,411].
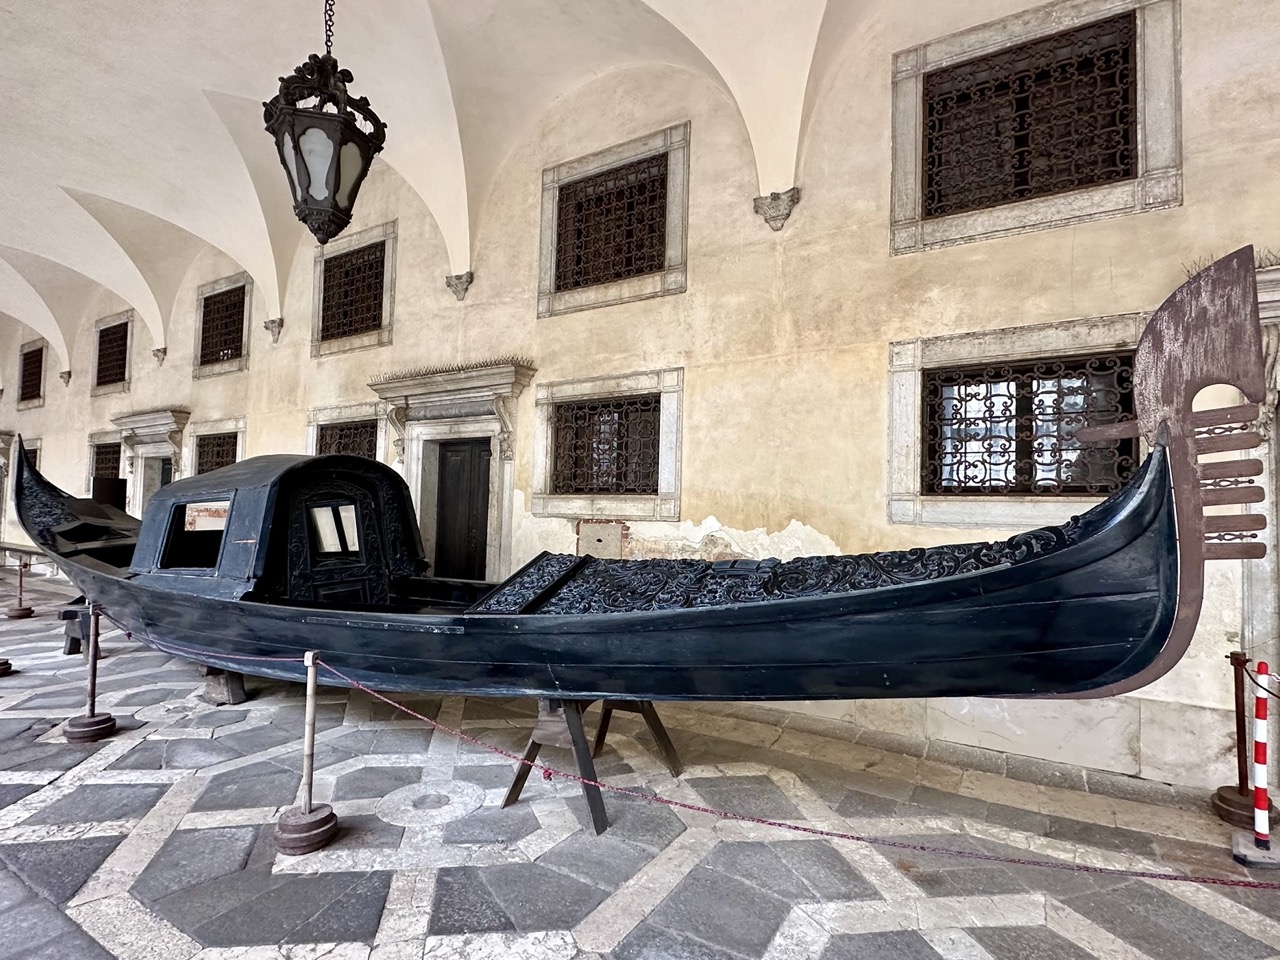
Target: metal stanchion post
[21,611]
[93,725]
[1234,802]
[1255,850]
[307,827]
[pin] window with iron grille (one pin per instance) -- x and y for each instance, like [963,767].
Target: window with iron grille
[33,457]
[1009,428]
[606,445]
[222,326]
[612,225]
[106,459]
[1047,117]
[352,292]
[113,354]
[32,375]
[216,450]
[356,437]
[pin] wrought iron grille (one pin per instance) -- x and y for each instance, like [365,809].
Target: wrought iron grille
[215,450]
[606,445]
[1043,118]
[222,326]
[1009,429]
[356,437]
[612,225]
[106,459]
[352,301]
[113,354]
[32,376]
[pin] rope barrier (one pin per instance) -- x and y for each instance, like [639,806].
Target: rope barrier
[548,772]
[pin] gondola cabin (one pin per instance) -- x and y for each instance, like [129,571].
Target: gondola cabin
[333,531]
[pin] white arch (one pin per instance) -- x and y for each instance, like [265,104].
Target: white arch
[19,300]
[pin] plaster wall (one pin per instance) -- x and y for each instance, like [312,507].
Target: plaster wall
[783,339]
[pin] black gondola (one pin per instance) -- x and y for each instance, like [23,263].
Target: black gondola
[278,555]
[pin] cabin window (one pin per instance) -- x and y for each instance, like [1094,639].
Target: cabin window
[607,445]
[1009,428]
[335,531]
[195,535]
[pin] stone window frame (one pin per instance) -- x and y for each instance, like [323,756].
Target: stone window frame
[115,319]
[674,142]
[1158,184]
[665,504]
[97,439]
[201,371]
[40,343]
[32,445]
[343,413]
[906,504]
[383,233]
[195,430]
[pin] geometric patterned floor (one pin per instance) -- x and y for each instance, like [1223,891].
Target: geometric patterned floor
[157,842]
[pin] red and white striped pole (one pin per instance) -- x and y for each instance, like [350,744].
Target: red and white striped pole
[1261,822]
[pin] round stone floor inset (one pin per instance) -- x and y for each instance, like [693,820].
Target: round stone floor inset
[430,803]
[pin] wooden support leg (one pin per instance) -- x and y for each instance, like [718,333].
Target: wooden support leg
[586,767]
[665,746]
[602,730]
[522,772]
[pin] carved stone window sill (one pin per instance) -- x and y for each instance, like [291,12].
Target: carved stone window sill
[221,368]
[31,404]
[359,341]
[107,389]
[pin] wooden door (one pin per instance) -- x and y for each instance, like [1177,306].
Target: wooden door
[462,511]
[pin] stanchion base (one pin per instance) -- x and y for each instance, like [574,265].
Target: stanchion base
[19,613]
[1245,852]
[88,729]
[6,668]
[1234,807]
[298,833]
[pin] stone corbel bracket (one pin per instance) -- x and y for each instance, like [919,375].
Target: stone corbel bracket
[777,207]
[160,353]
[398,416]
[65,377]
[273,327]
[459,283]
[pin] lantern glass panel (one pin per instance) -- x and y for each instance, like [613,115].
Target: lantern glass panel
[352,163]
[287,153]
[317,154]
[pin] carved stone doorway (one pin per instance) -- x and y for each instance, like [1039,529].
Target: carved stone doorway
[462,509]
[156,472]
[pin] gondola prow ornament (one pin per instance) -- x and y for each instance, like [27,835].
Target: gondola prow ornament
[327,146]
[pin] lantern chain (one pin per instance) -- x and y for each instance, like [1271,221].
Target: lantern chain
[328,27]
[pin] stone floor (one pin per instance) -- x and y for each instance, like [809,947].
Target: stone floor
[157,842]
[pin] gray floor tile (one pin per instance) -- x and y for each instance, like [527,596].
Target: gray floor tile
[538,898]
[1024,943]
[1163,926]
[190,908]
[366,832]
[256,739]
[743,921]
[648,941]
[953,804]
[490,776]
[1016,818]
[29,926]
[491,825]
[758,864]
[56,869]
[749,796]
[975,881]
[12,890]
[76,945]
[12,793]
[352,917]
[892,945]
[192,857]
[464,904]
[99,801]
[262,784]
[649,825]
[603,860]
[374,782]
[826,873]
[855,803]
[385,741]
[1107,838]
[147,698]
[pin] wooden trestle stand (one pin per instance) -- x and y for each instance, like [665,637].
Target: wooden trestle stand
[559,724]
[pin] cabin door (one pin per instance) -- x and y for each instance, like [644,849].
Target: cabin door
[462,517]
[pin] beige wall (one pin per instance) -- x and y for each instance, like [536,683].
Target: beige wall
[783,338]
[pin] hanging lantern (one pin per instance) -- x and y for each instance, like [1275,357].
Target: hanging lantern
[326,145]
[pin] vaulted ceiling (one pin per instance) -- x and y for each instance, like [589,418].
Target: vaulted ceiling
[132,142]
